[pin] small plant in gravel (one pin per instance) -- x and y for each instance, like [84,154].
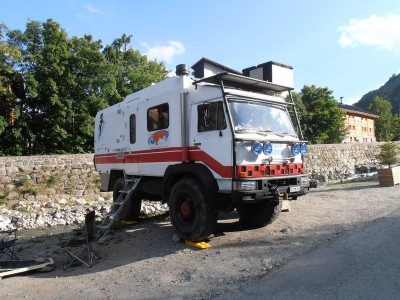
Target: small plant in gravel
[30,191]
[22,209]
[3,198]
[23,182]
[51,180]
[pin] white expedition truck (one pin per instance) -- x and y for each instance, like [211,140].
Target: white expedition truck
[203,145]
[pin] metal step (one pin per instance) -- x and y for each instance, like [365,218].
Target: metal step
[111,214]
[103,227]
[130,185]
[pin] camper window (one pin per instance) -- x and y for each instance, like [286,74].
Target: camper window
[132,128]
[158,117]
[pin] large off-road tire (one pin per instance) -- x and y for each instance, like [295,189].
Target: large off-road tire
[259,214]
[192,212]
[119,185]
[132,208]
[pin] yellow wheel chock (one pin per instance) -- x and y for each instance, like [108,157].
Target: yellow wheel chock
[198,245]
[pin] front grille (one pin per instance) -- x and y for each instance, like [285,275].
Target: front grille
[254,171]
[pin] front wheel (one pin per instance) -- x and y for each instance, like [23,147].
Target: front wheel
[259,214]
[192,212]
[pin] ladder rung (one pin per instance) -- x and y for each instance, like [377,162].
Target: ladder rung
[132,179]
[102,226]
[111,214]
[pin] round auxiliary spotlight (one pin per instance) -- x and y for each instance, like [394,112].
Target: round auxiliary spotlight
[296,148]
[303,148]
[267,149]
[257,148]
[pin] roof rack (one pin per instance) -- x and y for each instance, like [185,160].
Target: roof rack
[229,80]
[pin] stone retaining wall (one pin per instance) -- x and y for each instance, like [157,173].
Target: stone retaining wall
[48,177]
[58,177]
[339,161]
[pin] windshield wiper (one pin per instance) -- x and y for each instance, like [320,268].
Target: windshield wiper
[289,134]
[245,130]
[266,131]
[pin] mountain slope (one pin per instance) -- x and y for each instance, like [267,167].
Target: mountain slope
[389,91]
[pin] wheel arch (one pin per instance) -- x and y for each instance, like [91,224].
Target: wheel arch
[195,170]
[114,175]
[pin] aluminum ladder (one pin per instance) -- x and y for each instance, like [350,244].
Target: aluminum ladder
[117,207]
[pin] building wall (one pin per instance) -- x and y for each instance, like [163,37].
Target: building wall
[361,129]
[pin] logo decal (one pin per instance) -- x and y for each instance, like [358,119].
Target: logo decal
[159,138]
[101,124]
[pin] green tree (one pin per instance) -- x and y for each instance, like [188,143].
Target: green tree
[68,81]
[384,124]
[396,127]
[322,120]
[11,83]
[389,154]
[131,70]
[59,83]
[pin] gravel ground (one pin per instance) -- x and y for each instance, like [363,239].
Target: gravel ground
[142,262]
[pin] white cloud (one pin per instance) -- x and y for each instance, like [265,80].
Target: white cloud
[95,11]
[165,52]
[350,101]
[377,31]
[90,8]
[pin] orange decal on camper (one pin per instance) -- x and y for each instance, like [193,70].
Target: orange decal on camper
[159,136]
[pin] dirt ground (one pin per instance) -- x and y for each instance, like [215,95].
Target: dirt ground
[142,262]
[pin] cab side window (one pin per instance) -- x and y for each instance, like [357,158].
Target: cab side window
[158,117]
[210,117]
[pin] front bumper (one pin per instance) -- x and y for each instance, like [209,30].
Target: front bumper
[288,188]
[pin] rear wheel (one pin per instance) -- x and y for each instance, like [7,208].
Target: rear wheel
[192,213]
[133,206]
[259,214]
[119,185]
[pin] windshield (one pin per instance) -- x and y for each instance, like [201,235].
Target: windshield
[260,117]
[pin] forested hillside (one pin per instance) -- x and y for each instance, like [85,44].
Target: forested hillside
[389,91]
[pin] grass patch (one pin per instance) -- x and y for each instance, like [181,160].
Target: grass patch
[22,209]
[23,182]
[51,180]
[30,191]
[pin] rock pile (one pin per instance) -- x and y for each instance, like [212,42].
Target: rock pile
[31,215]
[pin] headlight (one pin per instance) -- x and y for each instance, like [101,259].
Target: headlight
[296,148]
[248,185]
[267,149]
[304,148]
[257,148]
[305,181]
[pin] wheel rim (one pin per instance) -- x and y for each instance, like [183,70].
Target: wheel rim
[185,210]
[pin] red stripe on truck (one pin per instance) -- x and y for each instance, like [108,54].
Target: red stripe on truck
[173,154]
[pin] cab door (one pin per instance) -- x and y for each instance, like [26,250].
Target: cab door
[211,141]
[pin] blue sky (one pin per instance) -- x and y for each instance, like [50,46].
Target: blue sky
[349,46]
